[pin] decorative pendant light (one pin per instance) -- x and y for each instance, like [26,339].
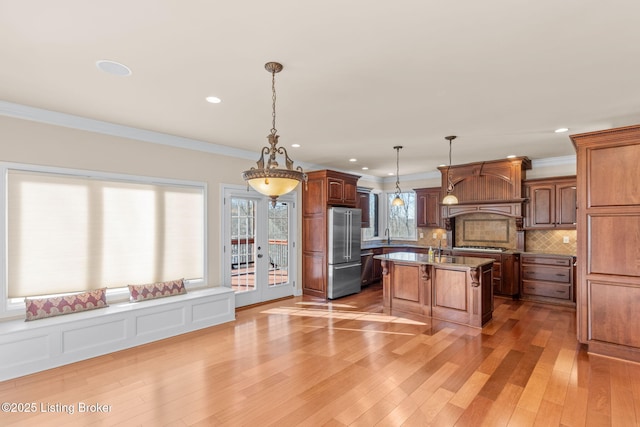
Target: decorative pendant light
[397,201]
[449,199]
[269,179]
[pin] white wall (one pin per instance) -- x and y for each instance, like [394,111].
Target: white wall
[26,141]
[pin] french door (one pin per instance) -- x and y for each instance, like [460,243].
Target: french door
[258,246]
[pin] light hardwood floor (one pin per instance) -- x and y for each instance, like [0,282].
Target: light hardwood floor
[302,361]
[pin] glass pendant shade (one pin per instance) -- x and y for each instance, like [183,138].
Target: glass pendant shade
[397,201]
[450,199]
[271,184]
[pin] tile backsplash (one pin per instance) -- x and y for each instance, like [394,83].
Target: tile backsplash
[498,230]
[551,241]
[427,238]
[486,230]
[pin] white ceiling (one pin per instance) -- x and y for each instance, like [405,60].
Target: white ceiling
[359,76]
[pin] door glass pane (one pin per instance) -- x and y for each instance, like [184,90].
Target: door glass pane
[242,244]
[278,244]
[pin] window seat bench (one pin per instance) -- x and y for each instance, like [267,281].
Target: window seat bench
[29,347]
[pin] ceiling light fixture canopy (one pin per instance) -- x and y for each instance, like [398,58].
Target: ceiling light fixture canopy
[449,199]
[397,201]
[267,178]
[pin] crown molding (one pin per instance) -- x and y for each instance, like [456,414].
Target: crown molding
[553,161]
[97,126]
[41,115]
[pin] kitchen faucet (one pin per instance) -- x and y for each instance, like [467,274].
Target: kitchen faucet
[388,234]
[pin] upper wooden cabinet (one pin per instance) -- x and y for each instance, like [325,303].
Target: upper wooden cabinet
[362,203]
[428,207]
[608,238]
[341,187]
[552,203]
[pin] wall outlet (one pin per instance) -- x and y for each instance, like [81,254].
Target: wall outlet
[565,239]
[421,235]
[435,235]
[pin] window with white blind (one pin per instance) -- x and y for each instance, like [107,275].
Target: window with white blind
[70,231]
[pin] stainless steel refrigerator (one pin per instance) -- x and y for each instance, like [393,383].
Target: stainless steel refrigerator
[344,252]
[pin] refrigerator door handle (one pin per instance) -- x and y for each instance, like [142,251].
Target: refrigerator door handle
[348,240]
[342,267]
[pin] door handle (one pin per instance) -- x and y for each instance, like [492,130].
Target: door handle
[347,266]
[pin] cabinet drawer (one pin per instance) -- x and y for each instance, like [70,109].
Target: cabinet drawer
[550,274]
[535,259]
[551,290]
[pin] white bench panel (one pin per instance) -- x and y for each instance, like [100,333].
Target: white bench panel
[29,347]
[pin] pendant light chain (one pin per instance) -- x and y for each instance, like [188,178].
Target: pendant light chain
[273,104]
[398,169]
[449,183]
[397,201]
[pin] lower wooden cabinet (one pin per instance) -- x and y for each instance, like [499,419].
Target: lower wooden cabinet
[548,278]
[506,271]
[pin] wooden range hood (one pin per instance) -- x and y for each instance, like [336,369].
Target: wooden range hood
[487,187]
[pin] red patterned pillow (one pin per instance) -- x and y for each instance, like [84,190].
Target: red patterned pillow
[41,307]
[156,290]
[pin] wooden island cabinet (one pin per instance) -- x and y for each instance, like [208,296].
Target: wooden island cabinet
[456,289]
[608,241]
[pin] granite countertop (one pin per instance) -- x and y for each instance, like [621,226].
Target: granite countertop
[376,245]
[381,244]
[454,261]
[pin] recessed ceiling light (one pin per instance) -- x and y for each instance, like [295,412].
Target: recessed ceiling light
[213,99]
[113,67]
[391,174]
[511,156]
[560,130]
[353,160]
[442,165]
[364,168]
[295,145]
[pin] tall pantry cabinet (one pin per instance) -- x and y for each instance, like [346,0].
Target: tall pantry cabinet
[325,188]
[608,241]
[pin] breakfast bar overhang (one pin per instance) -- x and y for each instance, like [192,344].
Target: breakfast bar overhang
[456,289]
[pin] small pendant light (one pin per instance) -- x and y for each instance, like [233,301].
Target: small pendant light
[397,201]
[449,199]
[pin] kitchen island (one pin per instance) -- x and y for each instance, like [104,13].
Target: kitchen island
[456,289]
